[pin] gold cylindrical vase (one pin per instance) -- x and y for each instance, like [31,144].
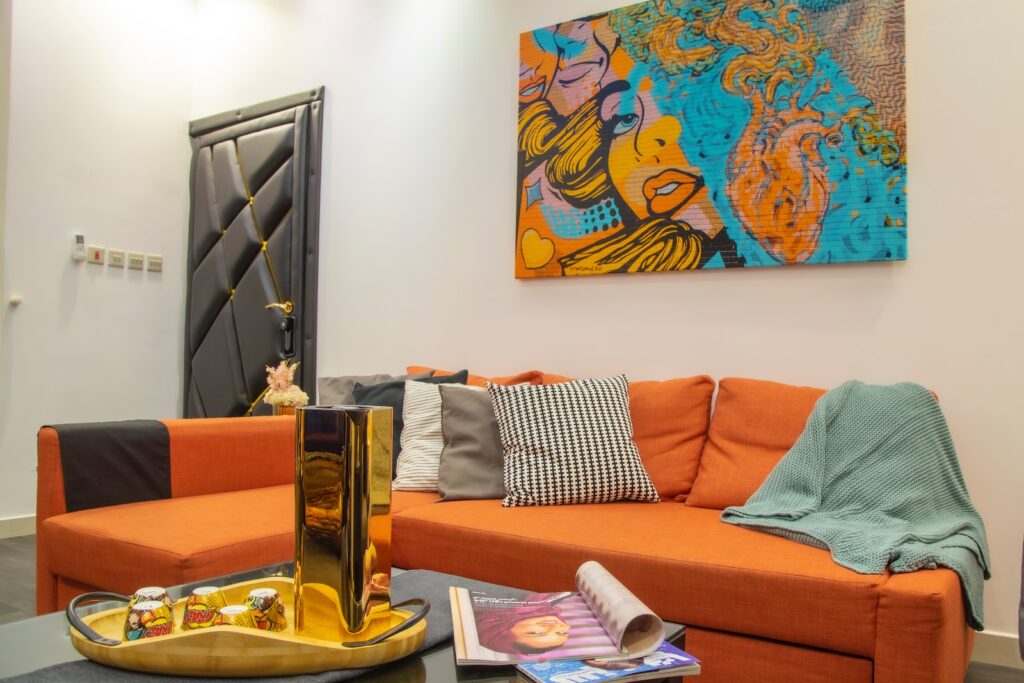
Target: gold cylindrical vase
[342,522]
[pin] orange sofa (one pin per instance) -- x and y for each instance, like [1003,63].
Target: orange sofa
[758,607]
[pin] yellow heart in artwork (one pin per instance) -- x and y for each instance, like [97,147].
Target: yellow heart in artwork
[537,250]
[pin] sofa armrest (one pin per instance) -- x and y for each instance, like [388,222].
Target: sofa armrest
[49,502]
[49,476]
[922,632]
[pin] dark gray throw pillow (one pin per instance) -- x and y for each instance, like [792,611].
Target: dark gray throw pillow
[392,394]
[472,462]
[337,391]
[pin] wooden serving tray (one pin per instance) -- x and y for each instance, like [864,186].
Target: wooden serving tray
[232,651]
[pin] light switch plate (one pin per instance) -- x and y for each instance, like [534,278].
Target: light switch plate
[115,258]
[136,260]
[78,247]
[97,255]
[154,263]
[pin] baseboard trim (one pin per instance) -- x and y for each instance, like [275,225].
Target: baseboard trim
[17,526]
[1000,649]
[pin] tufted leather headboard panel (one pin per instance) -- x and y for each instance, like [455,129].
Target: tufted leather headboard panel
[253,237]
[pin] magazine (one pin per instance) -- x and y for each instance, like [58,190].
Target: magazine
[667,660]
[602,620]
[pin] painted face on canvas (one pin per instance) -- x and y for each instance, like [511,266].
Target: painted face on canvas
[584,52]
[645,162]
[538,60]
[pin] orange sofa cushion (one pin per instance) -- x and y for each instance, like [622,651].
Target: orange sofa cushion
[670,423]
[168,542]
[403,500]
[684,562]
[754,424]
[530,376]
[172,541]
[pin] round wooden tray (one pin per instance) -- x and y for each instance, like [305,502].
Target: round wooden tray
[231,651]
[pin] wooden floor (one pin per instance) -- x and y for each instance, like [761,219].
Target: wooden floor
[983,673]
[17,578]
[18,598]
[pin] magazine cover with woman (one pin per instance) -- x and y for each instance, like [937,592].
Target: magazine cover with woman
[603,619]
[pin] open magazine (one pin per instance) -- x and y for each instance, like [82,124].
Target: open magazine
[602,620]
[668,660]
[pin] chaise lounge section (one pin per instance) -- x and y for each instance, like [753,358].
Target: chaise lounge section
[231,507]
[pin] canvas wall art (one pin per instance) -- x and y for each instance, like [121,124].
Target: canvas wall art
[692,134]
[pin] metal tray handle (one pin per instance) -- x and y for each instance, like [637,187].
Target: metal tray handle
[414,618]
[80,626]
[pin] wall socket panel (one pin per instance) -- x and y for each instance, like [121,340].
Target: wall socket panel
[115,258]
[97,255]
[136,261]
[154,263]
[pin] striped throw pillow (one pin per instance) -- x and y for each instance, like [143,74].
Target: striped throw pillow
[422,441]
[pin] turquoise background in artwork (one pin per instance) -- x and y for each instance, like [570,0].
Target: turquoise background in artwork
[715,120]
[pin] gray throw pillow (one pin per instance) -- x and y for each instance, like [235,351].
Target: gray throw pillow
[337,391]
[472,461]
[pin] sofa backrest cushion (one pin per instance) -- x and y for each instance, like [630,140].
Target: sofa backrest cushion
[754,424]
[670,425]
[214,455]
[529,376]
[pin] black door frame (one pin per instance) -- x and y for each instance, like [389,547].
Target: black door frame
[231,124]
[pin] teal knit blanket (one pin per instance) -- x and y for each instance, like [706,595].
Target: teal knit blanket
[875,479]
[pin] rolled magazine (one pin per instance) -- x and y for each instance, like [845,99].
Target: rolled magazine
[603,619]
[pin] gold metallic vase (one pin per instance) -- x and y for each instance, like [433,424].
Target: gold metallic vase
[342,522]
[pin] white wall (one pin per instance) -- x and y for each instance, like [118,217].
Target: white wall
[5,99]
[417,224]
[98,143]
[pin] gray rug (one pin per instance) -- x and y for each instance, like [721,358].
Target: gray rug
[410,584]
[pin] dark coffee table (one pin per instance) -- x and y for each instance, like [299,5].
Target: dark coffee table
[43,641]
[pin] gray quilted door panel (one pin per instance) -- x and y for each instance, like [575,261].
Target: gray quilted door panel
[252,252]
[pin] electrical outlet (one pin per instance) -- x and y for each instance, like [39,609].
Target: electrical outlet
[154,263]
[115,258]
[136,260]
[97,255]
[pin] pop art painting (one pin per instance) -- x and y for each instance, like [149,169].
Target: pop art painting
[692,134]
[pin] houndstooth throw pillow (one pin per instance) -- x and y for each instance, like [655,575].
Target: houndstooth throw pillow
[569,443]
